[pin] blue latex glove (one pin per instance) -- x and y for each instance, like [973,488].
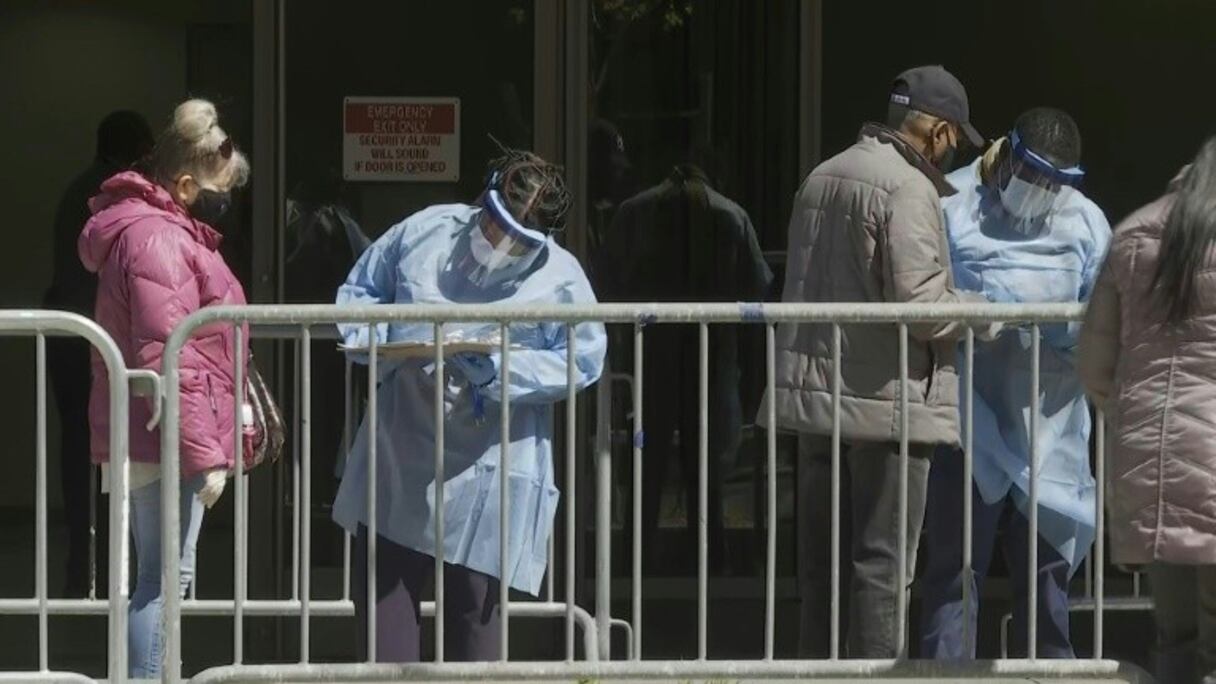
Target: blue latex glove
[478,369]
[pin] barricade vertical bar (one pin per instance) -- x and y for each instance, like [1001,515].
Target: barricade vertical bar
[373,374]
[551,555]
[305,492]
[834,629]
[571,485]
[968,463]
[504,501]
[245,538]
[770,561]
[170,516]
[703,498]
[40,523]
[440,483]
[1032,593]
[295,473]
[346,563]
[93,532]
[118,575]
[241,520]
[1099,557]
[902,585]
[348,399]
[603,518]
[120,494]
[639,444]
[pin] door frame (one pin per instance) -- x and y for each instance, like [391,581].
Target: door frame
[560,120]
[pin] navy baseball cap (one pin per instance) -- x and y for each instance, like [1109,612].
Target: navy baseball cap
[935,91]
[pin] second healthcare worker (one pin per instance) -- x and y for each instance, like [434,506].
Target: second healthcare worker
[1020,231]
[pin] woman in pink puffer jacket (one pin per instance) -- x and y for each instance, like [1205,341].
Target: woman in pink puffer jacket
[152,243]
[1148,358]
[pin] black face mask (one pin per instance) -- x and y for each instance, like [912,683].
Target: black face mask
[946,163]
[210,206]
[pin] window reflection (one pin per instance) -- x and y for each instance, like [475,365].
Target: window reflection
[692,163]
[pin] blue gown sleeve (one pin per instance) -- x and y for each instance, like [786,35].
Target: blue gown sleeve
[373,280]
[538,376]
[1097,256]
[1064,338]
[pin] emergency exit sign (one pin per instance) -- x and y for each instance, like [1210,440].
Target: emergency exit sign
[411,139]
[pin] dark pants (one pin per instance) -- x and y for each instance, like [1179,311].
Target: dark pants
[869,540]
[1184,606]
[942,583]
[471,616]
[69,375]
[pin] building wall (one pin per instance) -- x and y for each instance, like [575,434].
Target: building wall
[1130,73]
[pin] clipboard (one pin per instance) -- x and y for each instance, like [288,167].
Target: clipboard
[425,350]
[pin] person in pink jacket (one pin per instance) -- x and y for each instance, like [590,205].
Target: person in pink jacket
[153,244]
[1148,358]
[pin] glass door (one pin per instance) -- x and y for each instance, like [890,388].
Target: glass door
[387,107]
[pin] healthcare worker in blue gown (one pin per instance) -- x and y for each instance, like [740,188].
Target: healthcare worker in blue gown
[499,250]
[1020,231]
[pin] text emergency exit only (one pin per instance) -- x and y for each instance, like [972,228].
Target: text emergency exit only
[401,139]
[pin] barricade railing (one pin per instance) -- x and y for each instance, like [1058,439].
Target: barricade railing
[596,630]
[303,319]
[1042,671]
[121,384]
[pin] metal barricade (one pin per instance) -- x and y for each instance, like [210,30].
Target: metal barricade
[122,383]
[297,322]
[596,633]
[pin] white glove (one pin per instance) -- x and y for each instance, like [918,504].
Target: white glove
[213,486]
[987,332]
[984,332]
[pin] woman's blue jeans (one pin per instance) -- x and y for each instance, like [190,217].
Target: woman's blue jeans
[145,633]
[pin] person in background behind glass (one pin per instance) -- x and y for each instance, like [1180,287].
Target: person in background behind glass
[683,241]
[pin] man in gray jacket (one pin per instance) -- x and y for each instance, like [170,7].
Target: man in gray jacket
[867,227]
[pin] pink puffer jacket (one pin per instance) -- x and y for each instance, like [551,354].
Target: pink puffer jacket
[156,266]
[1157,384]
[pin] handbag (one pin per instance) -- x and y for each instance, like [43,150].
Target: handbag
[267,420]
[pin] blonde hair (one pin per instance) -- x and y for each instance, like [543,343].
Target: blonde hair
[193,143]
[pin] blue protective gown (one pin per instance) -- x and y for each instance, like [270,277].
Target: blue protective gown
[1058,263]
[425,259]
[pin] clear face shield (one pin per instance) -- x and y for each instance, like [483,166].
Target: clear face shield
[499,244]
[1030,187]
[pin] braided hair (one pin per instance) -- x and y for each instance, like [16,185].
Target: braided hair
[534,190]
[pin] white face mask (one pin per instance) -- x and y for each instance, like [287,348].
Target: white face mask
[1026,201]
[486,254]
